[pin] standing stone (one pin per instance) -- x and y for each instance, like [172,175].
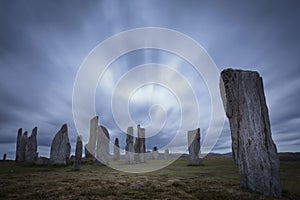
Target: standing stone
[116,150]
[60,147]
[140,146]
[4,157]
[23,144]
[155,153]
[102,150]
[31,148]
[166,154]
[91,145]
[129,148]
[18,145]
[78,153]
[194,146]
[252,146]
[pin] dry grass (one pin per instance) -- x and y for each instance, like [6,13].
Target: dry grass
[216,179]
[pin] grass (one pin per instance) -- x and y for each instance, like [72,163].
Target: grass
[216,179]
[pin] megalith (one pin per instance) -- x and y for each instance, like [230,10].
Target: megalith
[166,154]
[78,153]
[60,147]
[90,148]
[129,148]
[155,153]
[18,145]
[4,157]
[102,149]
[23,144]
[194,146]
[116,150]
[140,145]
[31,148]
[252,146]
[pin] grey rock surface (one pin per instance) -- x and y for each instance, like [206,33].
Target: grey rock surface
[252,146]
[194,146]
[129,148]
[140,145]
[102,149]
[116,150]
[78,153]
[90,148]
[18,146]
[31,148]
[23,144]
[60,147]
[4,157]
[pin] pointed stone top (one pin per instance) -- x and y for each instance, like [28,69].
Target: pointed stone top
[64,128]
[26,133]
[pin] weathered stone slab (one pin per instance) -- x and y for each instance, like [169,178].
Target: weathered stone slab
[140,145]
[90,148]
[31,148]
[23,144]
[78,153]
[194,146]
[116,150]
[60,147]
[4,157]
[252,146]
[166,154]
[155,153]
[102,150]
[129,148]
[18,146]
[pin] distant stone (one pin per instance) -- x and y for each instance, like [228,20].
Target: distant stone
[116,150]
[253,148]
[140,145]
[129,148]
[166,154]
[155,153]
[4,157]
[60,147]
[91,145]
[42,161]
[18,146]
[194,146]
[102,150]
[31,148]
[78,153]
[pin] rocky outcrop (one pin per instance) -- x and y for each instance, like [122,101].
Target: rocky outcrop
[31,148]
[116,150]
[78,153]
[129,148]
[102,149]
[194,146]
[253,148]
[60,147]
[23,144]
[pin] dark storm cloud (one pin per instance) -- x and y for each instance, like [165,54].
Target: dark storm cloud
[43,43]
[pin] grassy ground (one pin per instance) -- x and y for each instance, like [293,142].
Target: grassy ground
[216,179]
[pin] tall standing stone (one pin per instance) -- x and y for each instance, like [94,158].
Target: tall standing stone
[90,148]
[78,153]
[252,146]
[31,148]
[60,147]
[129,148]
[140,145]
[18,145]
[116,150]
[102,150]
[194,146]
[4,157]
[23,144]
[167,154]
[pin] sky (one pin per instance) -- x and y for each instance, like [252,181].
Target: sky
[44,43]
